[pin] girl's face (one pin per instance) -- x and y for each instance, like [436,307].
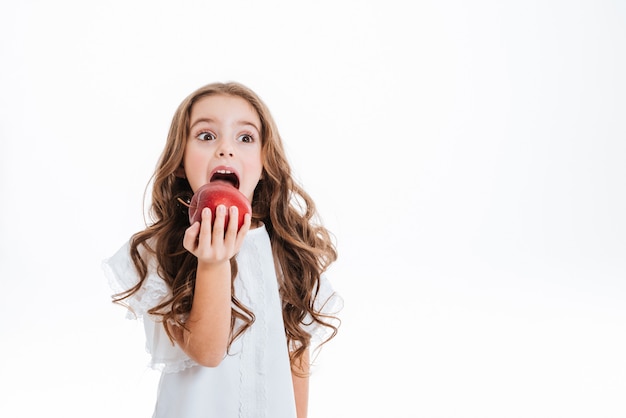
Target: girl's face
[224,143]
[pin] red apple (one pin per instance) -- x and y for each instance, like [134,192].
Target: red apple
[218,193]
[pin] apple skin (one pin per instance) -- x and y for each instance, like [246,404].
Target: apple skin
[214,194]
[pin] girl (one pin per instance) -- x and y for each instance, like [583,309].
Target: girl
[231,316]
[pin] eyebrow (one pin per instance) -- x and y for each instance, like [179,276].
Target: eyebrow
[238,123]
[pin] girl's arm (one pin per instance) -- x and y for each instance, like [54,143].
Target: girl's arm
[208,327]
[301,385]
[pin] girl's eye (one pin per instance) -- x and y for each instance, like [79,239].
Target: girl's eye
[246,138]
[206,136]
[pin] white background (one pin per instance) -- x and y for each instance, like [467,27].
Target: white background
[468,155]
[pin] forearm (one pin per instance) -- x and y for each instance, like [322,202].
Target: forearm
[300,378]
[208,325]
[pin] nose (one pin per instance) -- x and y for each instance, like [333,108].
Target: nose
[225,149]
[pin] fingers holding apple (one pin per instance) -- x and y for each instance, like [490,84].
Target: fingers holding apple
[220,217]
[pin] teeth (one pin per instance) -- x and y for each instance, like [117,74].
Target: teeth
[224,172]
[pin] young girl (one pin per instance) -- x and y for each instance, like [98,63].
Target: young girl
[231,315]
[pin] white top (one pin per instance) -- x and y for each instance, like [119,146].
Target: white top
[254,379]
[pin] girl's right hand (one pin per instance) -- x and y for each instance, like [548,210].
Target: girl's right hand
[214,243]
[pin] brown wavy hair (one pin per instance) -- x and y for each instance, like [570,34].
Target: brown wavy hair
[302,247]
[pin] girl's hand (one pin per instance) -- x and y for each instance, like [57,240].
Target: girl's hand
[216,243]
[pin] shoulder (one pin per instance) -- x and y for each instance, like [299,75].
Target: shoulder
[121,262]
[122,275]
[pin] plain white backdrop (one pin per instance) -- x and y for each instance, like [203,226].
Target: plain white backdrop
[469,157]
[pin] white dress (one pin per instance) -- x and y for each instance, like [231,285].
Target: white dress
[254,379]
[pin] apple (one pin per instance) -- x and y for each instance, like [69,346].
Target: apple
[218,193]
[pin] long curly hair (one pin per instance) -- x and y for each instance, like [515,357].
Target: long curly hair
[302,247]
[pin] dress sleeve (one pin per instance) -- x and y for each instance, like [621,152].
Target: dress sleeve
[122,275]
[329,303]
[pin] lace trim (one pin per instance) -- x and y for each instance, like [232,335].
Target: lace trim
[152,292]
[253,400]
[174,367]
[170,365]
[264,308]
[245,364]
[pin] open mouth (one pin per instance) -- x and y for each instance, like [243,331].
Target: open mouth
[227,176]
